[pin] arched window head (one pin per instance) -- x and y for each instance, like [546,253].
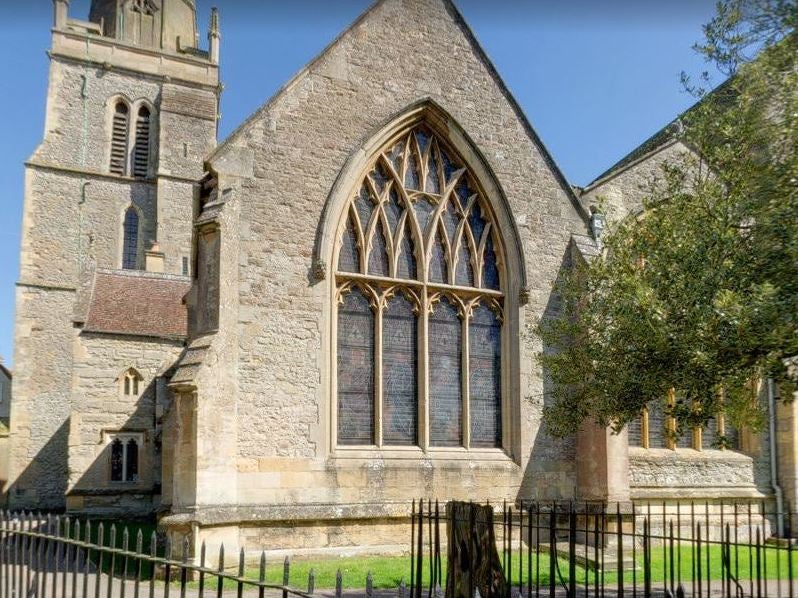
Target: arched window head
[119,138]
[130,239]
[141,147]
[130,383]
[419,281]
[124,457]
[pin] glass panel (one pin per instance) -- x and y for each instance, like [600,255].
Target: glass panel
[380,178]
[423,138]
[450,220]
[635,430]
[433,183]
[411,175]
[355,370]
[656,424]
[485,383]
[378,257]
[132,461]
[490,270]
[364,206]
[477,222]
[438,271]
[393,210]
[400,373]
[349,258]
[130,248]
[117,450]
[445,375]
[464,272]
[449,167]
[395,156]
[406,266]
[424,209]
[463,191]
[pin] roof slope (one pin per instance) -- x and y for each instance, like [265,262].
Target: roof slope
[128,302]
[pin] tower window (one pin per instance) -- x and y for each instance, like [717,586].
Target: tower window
[119,137]
[141,149]
[130,241]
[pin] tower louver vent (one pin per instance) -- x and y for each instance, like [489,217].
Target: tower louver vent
[141,150]
[119,139]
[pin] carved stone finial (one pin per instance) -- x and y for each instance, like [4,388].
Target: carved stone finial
[319,270]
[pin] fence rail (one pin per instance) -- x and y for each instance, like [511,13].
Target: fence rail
[55,557]
[571,549]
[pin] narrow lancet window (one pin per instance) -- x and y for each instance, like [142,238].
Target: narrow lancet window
[141,149]
[130,240]
[119,137]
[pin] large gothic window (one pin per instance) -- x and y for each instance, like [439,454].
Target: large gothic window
[420,302]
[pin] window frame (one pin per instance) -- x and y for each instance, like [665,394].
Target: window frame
[133,110]
[109,437]
[426,294]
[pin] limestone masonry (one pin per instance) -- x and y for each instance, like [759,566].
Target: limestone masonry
[196,320]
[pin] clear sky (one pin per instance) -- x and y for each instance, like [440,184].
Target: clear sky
[595,77]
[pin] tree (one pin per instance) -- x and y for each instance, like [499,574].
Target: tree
[699,292]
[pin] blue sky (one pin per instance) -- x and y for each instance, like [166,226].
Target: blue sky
[594,78]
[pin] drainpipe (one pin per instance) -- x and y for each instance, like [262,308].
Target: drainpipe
[774,475]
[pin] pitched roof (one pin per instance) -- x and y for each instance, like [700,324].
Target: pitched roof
[5,371]
[480,52]
[130,302]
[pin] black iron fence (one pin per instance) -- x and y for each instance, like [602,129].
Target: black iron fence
[724,549]
[55,557]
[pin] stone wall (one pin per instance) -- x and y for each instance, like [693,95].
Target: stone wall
[269,363]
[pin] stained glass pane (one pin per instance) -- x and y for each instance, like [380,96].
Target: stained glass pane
[450,220]
[449,167]
[485,384]
[424,209]
[132,461]
[399,373]
[117,450]
[490,270]
[477,222]
[364,206]
[395,156]
[355,370]
[438,271]
[412,173]
[378,257]
[464,272]
[406,266]
[379,178]
[445,361]
[463,191]
[393,210]
[349,259]
[423,138]
[433,183]
[130,249]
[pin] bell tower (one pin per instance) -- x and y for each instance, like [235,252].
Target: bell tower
[132,110]
[159,24]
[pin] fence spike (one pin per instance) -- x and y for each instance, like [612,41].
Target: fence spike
[112,543]
[125,539]
[221,558]
[369,585]
[241,562]
[286,570]
[100,533]
[87,532]
[58,526]
[67,524]
[139,541]
[339,584]
[311,581]
[262,567]
[76,531]
[153,544]
[202,554]
[185,549]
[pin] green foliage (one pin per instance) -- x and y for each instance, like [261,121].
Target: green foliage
[700,291]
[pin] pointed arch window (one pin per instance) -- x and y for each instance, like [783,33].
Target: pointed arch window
[130,383]
[124,457]
[130,239]
[141,147]
[420,303]
[119,138]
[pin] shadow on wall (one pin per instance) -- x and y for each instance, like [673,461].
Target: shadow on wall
[43,482]
[550,472]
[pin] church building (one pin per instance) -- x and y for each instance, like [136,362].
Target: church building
[278,340]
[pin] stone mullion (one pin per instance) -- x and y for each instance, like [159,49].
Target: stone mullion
[465,390]
[381,304]
[423,373]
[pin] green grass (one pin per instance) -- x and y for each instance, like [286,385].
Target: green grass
[388,571]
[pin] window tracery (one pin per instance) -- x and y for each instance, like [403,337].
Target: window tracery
[419,280]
